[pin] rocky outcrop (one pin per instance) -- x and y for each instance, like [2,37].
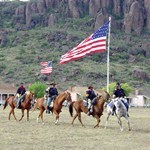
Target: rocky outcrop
[141,75]
[127,15]
[51,20]
[28,14]
[3,38]
[73,9]
[147,9]
[134,20]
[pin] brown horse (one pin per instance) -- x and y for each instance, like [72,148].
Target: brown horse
[97,109]
[57,105]
[26,104]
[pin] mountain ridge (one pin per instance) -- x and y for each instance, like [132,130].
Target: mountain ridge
[26,44]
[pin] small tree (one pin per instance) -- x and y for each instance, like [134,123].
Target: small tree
[127,89]
[38,88]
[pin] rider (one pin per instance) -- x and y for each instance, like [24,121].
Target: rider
[52,94]
[119,93]
[90,94]
[19,94]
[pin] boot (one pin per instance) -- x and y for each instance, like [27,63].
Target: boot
[48,110]
[112,113]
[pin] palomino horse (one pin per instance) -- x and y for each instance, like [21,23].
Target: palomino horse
[57,105]
[26,104]
[97,109]
[120,111]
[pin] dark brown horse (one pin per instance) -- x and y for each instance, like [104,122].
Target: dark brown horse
[26,104]
[97,109]
[57,105]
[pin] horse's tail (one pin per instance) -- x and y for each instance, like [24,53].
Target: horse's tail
[71,109]
[6,102]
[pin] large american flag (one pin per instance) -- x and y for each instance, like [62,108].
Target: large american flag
[95,43]
[48,67]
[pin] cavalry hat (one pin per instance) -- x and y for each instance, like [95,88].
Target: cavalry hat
[52,83]
[90,87]
[118,83]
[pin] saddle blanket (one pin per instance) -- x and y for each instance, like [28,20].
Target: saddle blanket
[87,103]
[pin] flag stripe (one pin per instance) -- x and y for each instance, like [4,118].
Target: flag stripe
[95,43]
[44,64]
[86,48]
[48,67]
[46,70]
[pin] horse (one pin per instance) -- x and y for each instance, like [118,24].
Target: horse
[97,108]
[57,105]
[26,104]
[120,111]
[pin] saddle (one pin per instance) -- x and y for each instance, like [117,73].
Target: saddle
[87,103]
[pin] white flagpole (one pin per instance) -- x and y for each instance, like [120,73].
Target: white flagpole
[108,55]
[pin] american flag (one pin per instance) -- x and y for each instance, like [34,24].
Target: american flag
[48,68]
[44,63]
[95,43]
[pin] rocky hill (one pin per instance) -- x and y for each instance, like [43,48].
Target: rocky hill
[43,30]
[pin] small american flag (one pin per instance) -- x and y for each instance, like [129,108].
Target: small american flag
[48,68]
[44,63]
[95,43]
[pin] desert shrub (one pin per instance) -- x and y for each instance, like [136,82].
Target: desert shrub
[38,88]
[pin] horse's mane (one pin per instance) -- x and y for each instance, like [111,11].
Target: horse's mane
[59,95]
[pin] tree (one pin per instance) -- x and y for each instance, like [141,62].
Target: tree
[127,88]
[38,88]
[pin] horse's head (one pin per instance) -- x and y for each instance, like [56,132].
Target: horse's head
[116,102]
[29,96]
[106,96]
[68,96]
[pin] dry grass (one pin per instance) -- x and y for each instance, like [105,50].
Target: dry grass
[30,135]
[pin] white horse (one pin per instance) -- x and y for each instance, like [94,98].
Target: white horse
[120,111]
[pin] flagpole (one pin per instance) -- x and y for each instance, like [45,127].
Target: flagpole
[108,55]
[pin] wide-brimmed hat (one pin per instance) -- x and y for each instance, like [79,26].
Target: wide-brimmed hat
[118,83]
[90,87]
[52,83]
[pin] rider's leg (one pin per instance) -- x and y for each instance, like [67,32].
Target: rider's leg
[113,109]
[18,102]
[48,104]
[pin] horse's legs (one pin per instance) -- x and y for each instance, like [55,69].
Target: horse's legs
[75,116]
[57,116]
[13,112]
[37,120]
[27,115]
[79,118]
[127,119]
[10,113]
[120,123]
[98,121]
[108,114]
[22,114]
[42,115]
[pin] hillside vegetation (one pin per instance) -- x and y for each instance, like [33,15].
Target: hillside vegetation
[23,50]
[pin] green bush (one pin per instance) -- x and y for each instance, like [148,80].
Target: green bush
[38,88]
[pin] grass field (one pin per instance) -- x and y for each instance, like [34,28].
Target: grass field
[32,136]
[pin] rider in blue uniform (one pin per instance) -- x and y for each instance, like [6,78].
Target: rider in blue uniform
[119,93]
[52,94]
[90,94]
[20,94]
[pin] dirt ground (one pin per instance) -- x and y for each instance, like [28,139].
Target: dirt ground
[32,136]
